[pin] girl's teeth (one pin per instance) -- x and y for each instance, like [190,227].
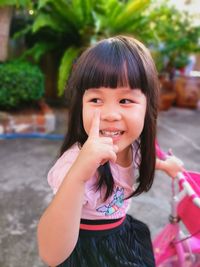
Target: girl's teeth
[107,133]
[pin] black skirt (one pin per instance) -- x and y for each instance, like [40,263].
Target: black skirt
[128,244]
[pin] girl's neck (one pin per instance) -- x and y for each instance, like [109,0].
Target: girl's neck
[125,158]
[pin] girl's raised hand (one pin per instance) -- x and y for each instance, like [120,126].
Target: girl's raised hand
[97,149]
[171,165]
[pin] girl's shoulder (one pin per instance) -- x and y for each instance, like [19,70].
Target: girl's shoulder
[57,173]
[72,151]
[68,156]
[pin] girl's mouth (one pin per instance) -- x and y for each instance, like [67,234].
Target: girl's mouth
[111,133]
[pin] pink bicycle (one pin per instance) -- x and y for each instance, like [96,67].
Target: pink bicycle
[173,246]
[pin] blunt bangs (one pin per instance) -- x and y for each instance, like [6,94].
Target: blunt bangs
[111,63]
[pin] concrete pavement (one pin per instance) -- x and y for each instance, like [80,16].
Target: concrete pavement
[24,192]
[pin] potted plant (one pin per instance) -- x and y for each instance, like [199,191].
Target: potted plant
[176,39]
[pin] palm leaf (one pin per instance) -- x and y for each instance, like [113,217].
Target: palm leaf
[68,13]
[106,19]
[87,10]
[83,12]
[43,3]
[114,7]
[64,10]
[77,7]
[45,20]
[23,32]
[7,2]
[16,3]
[111,4]
[37,51]
[65,67]
[133,8]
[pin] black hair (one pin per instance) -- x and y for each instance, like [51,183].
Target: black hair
[119,61]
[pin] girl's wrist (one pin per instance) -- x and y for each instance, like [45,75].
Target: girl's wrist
[160,164]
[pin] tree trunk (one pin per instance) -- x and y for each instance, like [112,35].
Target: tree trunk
[5,20]
[49,65]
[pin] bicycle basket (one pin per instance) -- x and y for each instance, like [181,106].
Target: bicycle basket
[187,211]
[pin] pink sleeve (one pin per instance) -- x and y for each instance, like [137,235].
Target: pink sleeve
[58,172]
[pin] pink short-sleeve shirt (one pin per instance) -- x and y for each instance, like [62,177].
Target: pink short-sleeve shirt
[94,207]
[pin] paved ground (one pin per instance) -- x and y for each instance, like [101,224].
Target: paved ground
[24,193]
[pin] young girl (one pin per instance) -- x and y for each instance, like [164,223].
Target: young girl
[107,157]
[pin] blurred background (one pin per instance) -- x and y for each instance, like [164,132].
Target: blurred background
[39,42]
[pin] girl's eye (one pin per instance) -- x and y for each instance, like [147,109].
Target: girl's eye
[96,100]
[126,101]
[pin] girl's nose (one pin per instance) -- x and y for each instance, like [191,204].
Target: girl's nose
[110,114]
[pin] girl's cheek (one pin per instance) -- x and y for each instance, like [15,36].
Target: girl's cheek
[87,120]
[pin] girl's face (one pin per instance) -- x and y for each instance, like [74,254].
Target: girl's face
[122,114]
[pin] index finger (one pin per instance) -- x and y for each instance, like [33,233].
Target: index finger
[94,130]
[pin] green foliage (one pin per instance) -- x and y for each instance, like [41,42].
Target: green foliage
[175,36]
[65,67]
[123,17]
[17,3]
[66,27]
[20,83]
[37,51]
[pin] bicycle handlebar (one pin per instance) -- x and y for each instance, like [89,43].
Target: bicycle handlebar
[188,189]
[186,186]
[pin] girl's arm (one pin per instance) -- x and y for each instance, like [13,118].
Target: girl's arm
[171,166]
[58,227]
